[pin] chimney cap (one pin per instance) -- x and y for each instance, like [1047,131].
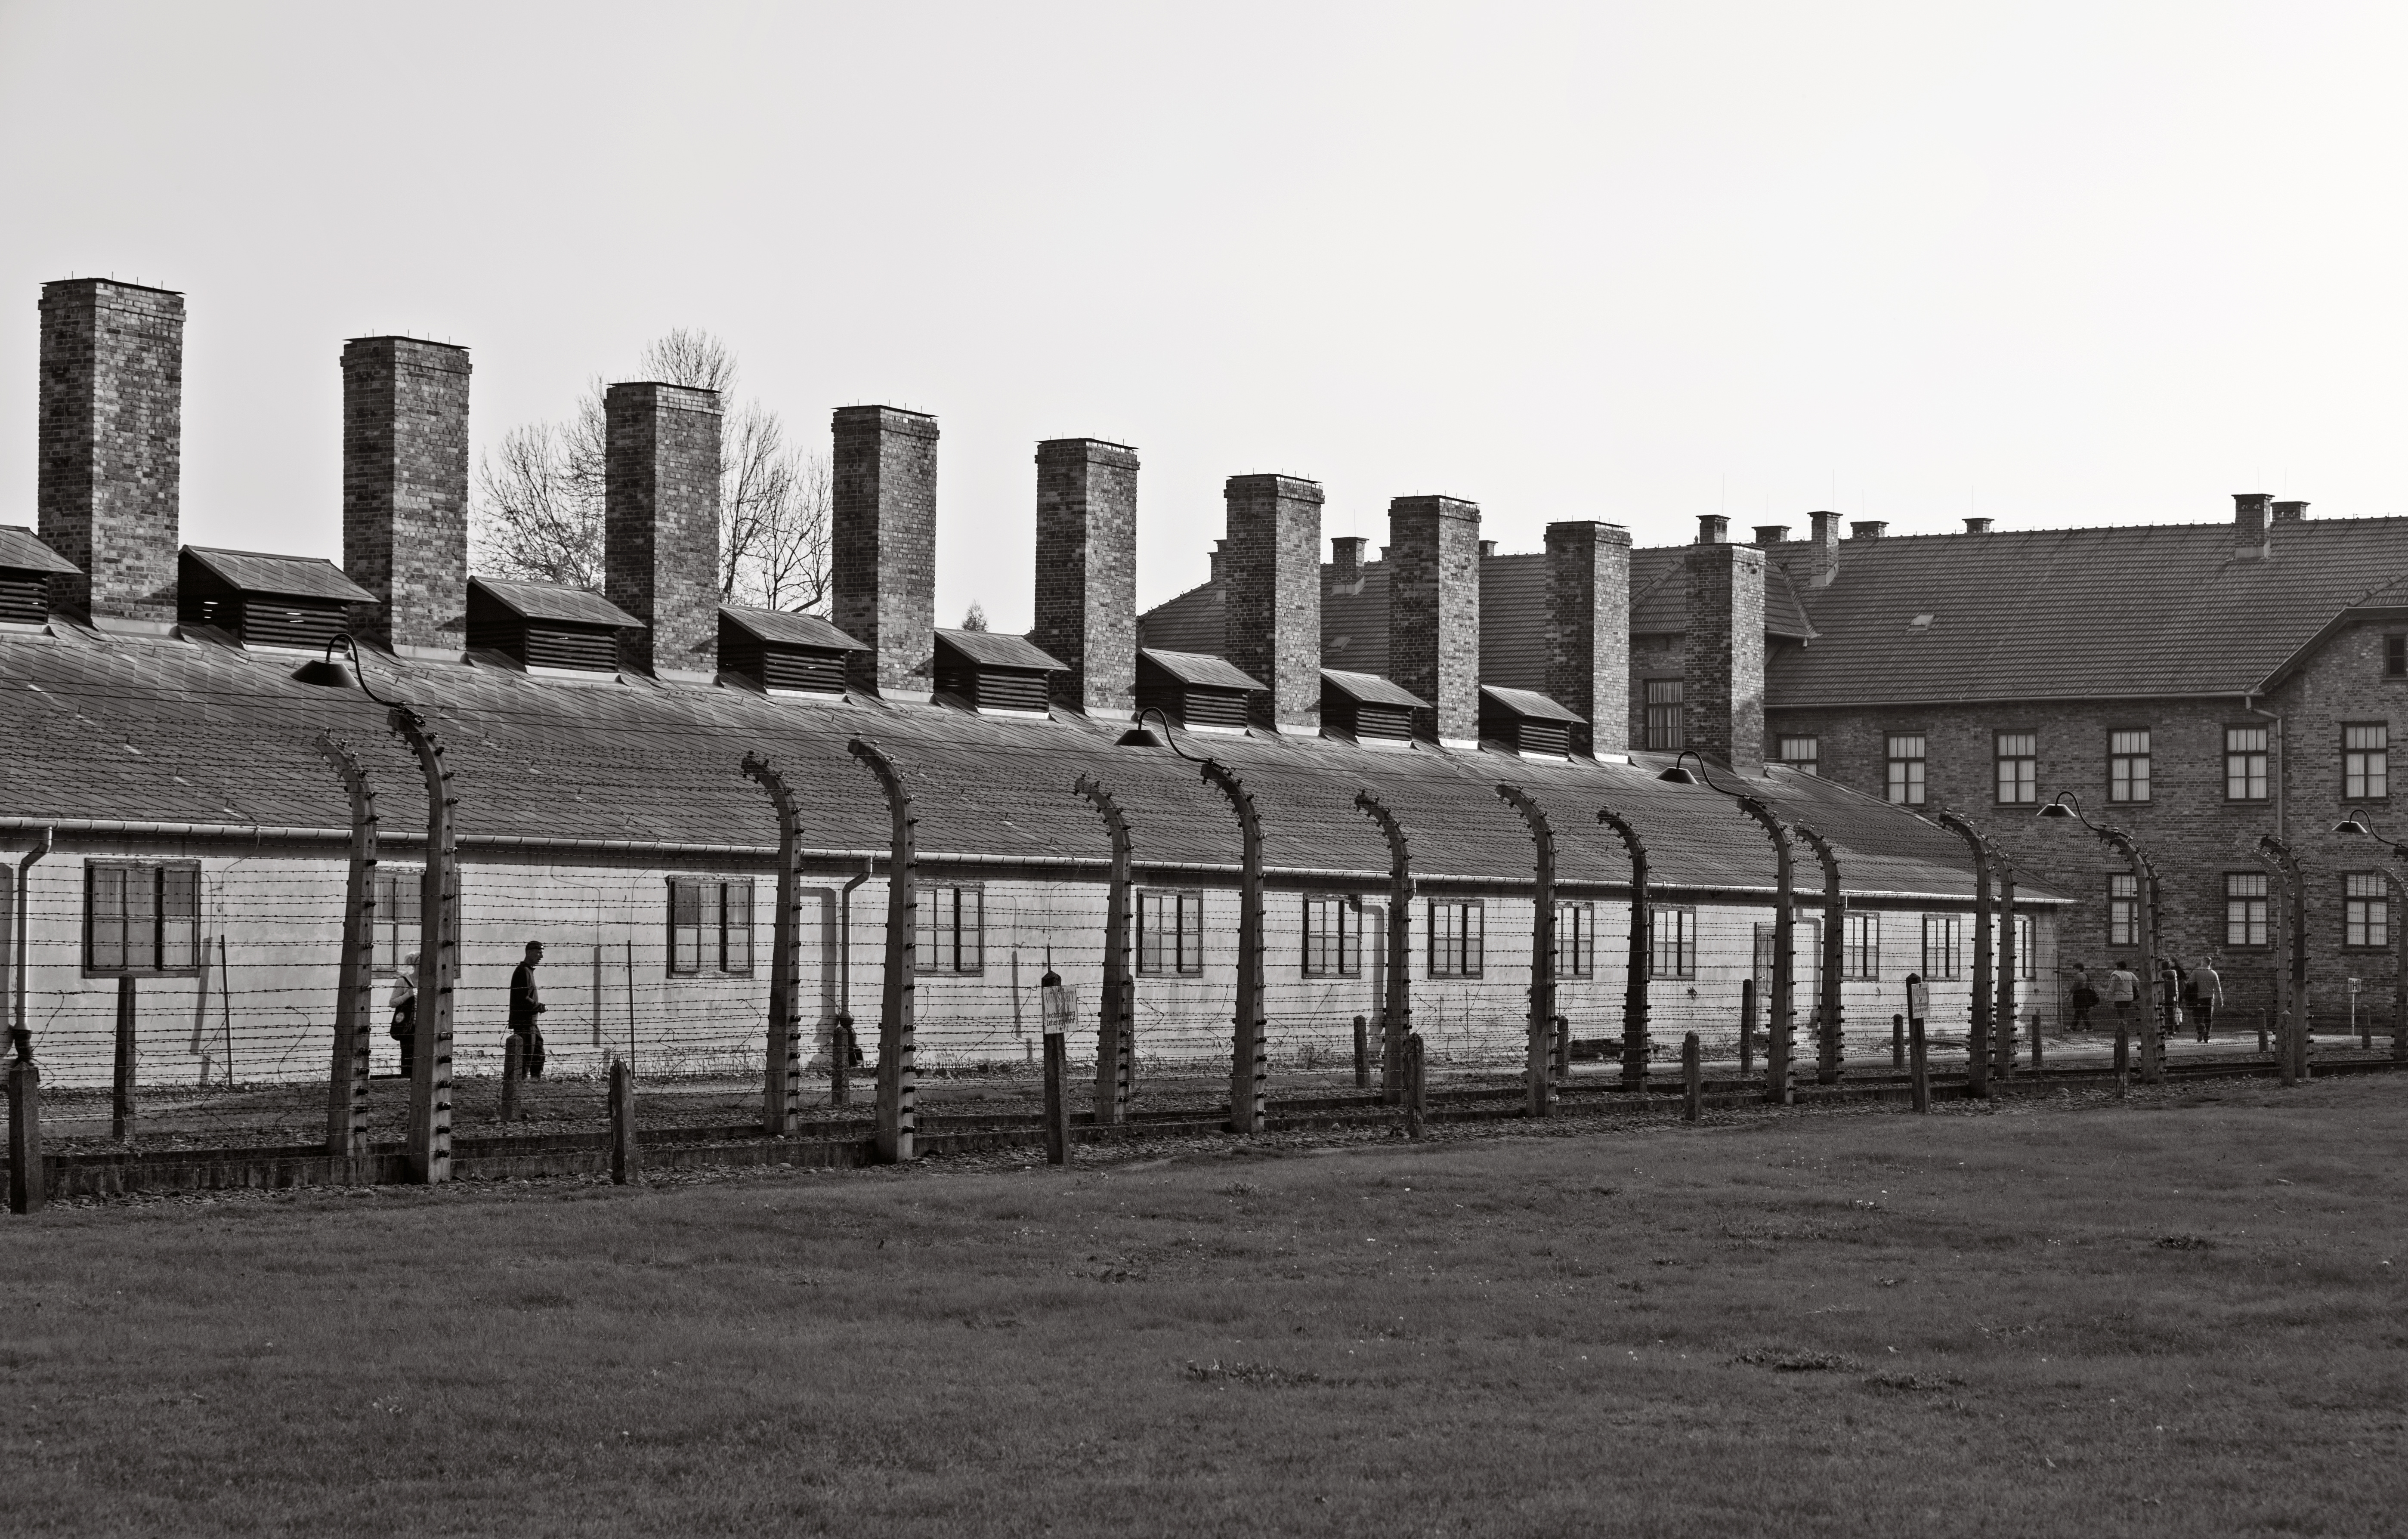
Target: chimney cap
[1712,529]
[1488,547]
[1868,529]
[1977,525]
[2289,513]
[1772,534]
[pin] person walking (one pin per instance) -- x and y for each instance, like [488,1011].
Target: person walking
[2169,997]
[525,1005]
[2085,998]
[404,1028]
[2123,990]
[2207,994]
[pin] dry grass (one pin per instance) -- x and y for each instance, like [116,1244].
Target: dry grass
[2177,1318]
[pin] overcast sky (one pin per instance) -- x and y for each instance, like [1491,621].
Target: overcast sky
[2055,265]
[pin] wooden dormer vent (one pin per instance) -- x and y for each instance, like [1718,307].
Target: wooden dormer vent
[1526,722]
[1367,708]
[796,654]
[539,625]
[302,602]
[986,671]
[27,567]
[1194,688]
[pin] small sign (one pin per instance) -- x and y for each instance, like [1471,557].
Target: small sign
[1918,999]
[1060,1006]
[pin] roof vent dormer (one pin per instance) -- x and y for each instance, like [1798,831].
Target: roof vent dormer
[302,602]
[1367,708]
[1526,722]
[27,567]
[784,653]
[988,671]
[1193,689]
[546,628]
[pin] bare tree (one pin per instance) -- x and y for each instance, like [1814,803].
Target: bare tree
[976,617]
[540,508]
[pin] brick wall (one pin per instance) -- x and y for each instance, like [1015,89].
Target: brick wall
[1086,571]
[660,530]
[1722,661]
[110,456]
[1434,608]
[882,546]
[1270,565]
[406,489]
[1588,628]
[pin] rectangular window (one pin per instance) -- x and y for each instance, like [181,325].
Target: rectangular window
[1170,933]
[2366,909]
[1664,719]
[1860,947]
[2127,765]
[397,898]
[1455,928]
[2244,909]
[2365,761]
[951,928]
[2027,958]
[1333,937]
[1575,939]
[2395,656]
[141,917]
[1672,943]
[1940,935]
[2124,909]
[711,926]
[1906,769]
[2244,763]
[1802,753]
[2019,758]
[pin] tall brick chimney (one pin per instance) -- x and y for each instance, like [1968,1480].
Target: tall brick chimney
[1722,663]
[406,490]
[2249,520]
[660,526]
[1271,582]
[110,465]
[882,547]
[1434,609]
[1588,628]
[1086,571]
[1822,554]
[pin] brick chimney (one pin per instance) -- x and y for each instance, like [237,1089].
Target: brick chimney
[1713,528]
[1868,529]
[1977,525]
[1588,628]
[2289,513]
[1823,559]
[660,526]
[1271,613]
[2249,521]
[1722,663]
[406,491]
[1346,558]
[1434,609]
[108,479]
[882,547]
[1086,571]
[1769,534]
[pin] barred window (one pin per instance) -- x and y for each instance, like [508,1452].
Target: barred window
[1906,759]
[2124,909]
[951,928]
[2366,909]
[2244,763]
[1860,947]
[2365,761]
[2018,759]
[1942,934]
[1664,716]
[397,898]
[1575,939]
[1170,933]
[2127,765]
[1333,937]
[1455,926]
[142,918]
[2246,909]
[1673,941]
[1802,753]
[710,925]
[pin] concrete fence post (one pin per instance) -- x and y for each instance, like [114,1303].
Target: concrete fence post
[347,1077]
[1396,1005]
[1693,1080]
[840,1062]
[2123,1059]
[1249,1068]
[28,1183]
[1746,1027]
[1918,1067]
[513,1073]
[1639,972]
[1058,1089]
[429,1148]
[1830,1040]
[898,1115]
[782,1065]
[121,1100]
[1898,1042]
[623,1156]
[1539,1080]
[1416,1088]
[1116,1024]
[1362,1053]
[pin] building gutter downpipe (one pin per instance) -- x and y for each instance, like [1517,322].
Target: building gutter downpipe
[2282,763]
[22,1032]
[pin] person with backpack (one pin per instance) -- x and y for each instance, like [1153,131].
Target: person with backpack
[2084,998]
[404,1028]
[2123,990]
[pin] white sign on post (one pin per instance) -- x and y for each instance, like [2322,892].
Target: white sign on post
[1918,999]
[1060,1004]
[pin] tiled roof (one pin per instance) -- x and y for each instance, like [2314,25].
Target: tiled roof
[96,726]
[1659,596]
[998,649]
[564,606]
[21,550]
[280,576]
[1194,668]
[1529,702]
[1371,689]
[783,628]
[2151,609]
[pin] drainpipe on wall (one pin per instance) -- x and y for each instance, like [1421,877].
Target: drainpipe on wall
[24,871]
[844,943]
[2282,763]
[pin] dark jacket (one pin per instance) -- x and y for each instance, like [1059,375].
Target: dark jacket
[524,1005]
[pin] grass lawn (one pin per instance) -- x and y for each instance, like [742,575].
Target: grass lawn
[2178,1316]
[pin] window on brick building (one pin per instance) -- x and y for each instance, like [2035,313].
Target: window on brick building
[2395,656]
[2026,955]
[1860,947]
[1673,941]
[396,919]
[1456,933]
[2365,761]
[1801,754]
[2127,765]
[1333,937]
[711,926]
[2244,763]
[2018,760]
[141,917]
[1575,939]
[952,928]
[1942,934]
[1170,933]
[2366,909]
[1664,716]
[2246,909]
[2123,910]
[1905,779]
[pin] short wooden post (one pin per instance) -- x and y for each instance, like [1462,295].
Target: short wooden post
[1746,1027]
[2400,1037]
[2123,1058]
[1693,1079]
[1057,1105]
[121,1103]
[840,1061]
[2262,1031]
[1563,1047]
[1416,1089]
[27,1188]
[1918,1067]
[513,1070]
[1898,1042]
[2035,1031]
[623,1123]
[1362,1053]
